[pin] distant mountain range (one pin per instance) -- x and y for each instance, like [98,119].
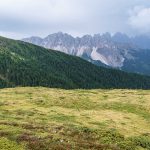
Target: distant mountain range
[24,64]
[119,51]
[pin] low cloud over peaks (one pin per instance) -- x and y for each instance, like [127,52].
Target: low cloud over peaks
[140,19]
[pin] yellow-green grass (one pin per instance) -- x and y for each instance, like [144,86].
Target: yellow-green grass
[41,119]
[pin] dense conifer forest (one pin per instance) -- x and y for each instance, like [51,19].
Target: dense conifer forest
[23,64]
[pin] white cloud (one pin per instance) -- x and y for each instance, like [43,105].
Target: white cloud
[140,19]
[77,17]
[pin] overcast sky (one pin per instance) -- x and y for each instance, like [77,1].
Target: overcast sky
[23,18]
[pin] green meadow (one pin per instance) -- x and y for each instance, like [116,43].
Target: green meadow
[40,118]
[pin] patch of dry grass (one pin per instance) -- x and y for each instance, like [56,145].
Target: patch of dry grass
[110,118]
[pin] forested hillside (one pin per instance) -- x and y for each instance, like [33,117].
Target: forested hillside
[23,64]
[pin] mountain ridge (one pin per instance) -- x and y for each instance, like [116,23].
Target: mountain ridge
[24,64]
[114,51]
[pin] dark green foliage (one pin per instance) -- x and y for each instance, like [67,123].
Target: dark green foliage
[23,64]
[142,141]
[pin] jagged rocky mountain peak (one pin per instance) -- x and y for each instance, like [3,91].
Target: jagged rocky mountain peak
[118,50]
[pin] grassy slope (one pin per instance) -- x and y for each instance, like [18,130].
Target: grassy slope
[42,119]
[29,65]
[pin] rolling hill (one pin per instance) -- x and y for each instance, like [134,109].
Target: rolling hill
[24,64]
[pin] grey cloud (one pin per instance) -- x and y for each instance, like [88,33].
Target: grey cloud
[77,17]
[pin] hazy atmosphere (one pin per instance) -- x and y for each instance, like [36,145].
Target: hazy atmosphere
[22,18]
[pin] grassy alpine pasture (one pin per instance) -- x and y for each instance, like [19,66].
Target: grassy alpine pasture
[54,119]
